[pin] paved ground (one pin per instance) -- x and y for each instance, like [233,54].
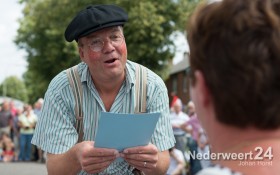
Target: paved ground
[20,168]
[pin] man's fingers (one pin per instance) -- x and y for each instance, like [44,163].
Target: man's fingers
[96,168]
[101,152]
[148,149]
[96,160]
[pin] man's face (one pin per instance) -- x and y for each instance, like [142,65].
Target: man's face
[6,106]
[177,107]
[191,109]
[105,53]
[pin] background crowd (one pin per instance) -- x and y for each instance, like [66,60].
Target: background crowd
[190,138]
[17,126]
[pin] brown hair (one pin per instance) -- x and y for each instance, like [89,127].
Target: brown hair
[236,45]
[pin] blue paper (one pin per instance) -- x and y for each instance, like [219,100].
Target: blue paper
[120,131]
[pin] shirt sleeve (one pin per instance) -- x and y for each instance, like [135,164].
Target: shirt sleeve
[55,131]
[163,136]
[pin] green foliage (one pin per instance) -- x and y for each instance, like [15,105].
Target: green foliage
[41,34]
[15,88]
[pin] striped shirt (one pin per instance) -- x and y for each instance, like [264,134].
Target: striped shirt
[218,170]
[55,132]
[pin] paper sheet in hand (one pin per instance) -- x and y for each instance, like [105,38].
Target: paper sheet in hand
[120,131]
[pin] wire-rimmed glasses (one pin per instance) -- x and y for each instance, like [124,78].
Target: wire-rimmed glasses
[96,44]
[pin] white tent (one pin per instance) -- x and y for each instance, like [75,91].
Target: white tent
[18,104]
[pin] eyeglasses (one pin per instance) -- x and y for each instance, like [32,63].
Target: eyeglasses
[96,44]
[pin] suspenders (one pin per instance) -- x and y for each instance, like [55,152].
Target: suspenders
[140,89]
[76,85]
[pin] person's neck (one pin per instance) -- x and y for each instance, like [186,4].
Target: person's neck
[108,90]
[177,112]
[248,141]
[230,138]
[109,86]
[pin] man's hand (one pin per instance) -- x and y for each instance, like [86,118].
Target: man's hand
[144,158]
[95,160]
[82,156]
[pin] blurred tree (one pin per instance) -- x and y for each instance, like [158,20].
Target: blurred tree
[151,22]
[15,88]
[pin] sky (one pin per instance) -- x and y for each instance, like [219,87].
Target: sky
[13,60]
[181,46]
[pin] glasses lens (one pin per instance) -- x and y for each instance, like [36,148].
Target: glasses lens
[97,44]
[116,39]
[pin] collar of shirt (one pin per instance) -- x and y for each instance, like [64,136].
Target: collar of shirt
[129,80]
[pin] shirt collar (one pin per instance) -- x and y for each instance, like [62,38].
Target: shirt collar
[86,77]
[129,77]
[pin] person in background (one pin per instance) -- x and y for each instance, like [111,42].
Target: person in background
[7,147]
[37,111]
[38,107]
[26,122]
[1,151]
[16,129]
[178,117]
[6,118]
[175,100]
[203,148]
[108,82]
[235,83]
[193,127]
[13,109]
[177,162]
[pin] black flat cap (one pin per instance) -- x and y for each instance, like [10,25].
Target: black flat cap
[94,18]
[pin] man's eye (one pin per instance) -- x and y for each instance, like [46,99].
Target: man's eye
[115,37]
[96,42]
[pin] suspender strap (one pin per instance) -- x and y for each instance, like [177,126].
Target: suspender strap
[140,89]
[140,96]
[76,85]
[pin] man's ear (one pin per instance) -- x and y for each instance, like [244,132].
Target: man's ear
[81,53]
[203,94]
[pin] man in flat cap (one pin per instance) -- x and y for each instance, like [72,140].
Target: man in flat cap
[108,82]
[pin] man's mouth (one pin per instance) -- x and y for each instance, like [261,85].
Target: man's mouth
[111,61]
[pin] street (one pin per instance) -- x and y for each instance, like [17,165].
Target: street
[22,168]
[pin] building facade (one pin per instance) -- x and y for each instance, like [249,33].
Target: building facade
[178,81]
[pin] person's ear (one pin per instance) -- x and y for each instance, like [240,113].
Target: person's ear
[81,52]
[202,91]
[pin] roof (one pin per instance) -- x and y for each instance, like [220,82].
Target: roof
[182,65]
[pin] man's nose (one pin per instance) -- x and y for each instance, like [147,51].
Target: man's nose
[108,46]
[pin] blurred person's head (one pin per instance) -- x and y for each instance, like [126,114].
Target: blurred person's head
[12,104]
[27,109]
[40,100]
[177,106]
[191,108]
[235,62]
[19,111]
[5,106]
[37,105]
